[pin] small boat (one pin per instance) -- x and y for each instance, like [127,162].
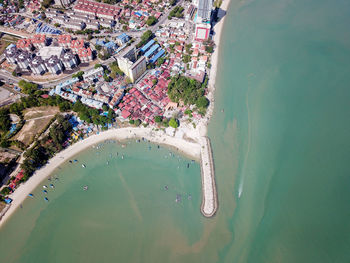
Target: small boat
[31,195]
[122,157]
[44,186]
[166,187]
[52,186]
[188,165]
[70,161]
[189,197]
[192,161]
[107,163]
[85,187]
[44,191]
[75,160]
[158,146]
[178,198]
[149,147]
[46,199]
[83,165]
[222,110]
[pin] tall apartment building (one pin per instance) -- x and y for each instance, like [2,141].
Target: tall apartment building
[130,65]
[54,65]
[23,60]
[37,66]
[11,53]
[69,60]
[204,11]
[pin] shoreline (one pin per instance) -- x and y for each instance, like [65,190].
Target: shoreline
[217,28]
[190,149]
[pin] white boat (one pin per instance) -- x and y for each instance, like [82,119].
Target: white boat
[83,165]
[45,186]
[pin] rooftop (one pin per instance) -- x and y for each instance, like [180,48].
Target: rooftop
[47,52]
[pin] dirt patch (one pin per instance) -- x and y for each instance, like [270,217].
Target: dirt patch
[32,128]
[39,112]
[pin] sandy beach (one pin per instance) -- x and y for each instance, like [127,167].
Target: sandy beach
[21,193]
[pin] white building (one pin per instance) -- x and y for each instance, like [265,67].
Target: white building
[54,65]
[69,60]
[37,66]
[130,66]
[11,53]
[23,60]
[92,74]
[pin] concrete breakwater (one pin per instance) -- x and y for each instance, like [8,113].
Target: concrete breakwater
[209,194]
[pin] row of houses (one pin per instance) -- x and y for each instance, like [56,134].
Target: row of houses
[74,89]
[75,20]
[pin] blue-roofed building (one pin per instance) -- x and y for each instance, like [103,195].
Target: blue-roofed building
[147,46]
[157,56]
[43,28]
[122,39]
[109,46]
[150,52]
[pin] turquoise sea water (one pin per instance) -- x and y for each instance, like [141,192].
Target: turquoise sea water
[283,141]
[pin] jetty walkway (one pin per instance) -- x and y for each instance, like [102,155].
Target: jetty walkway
[209,195]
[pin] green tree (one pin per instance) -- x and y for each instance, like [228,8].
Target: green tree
[137,122]
[158,119]
[151,21]
[78,75]
[27,87]
[98,47]
[202,102]
[184,89]
[173,123]
[5,120]
[47,3]
[105,107]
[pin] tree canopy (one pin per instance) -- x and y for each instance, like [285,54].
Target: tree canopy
[5,121]
[185,89]
[27,87]
[174,123]
[145,37]
[151,21]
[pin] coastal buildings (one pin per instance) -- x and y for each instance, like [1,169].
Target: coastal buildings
[130,65]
